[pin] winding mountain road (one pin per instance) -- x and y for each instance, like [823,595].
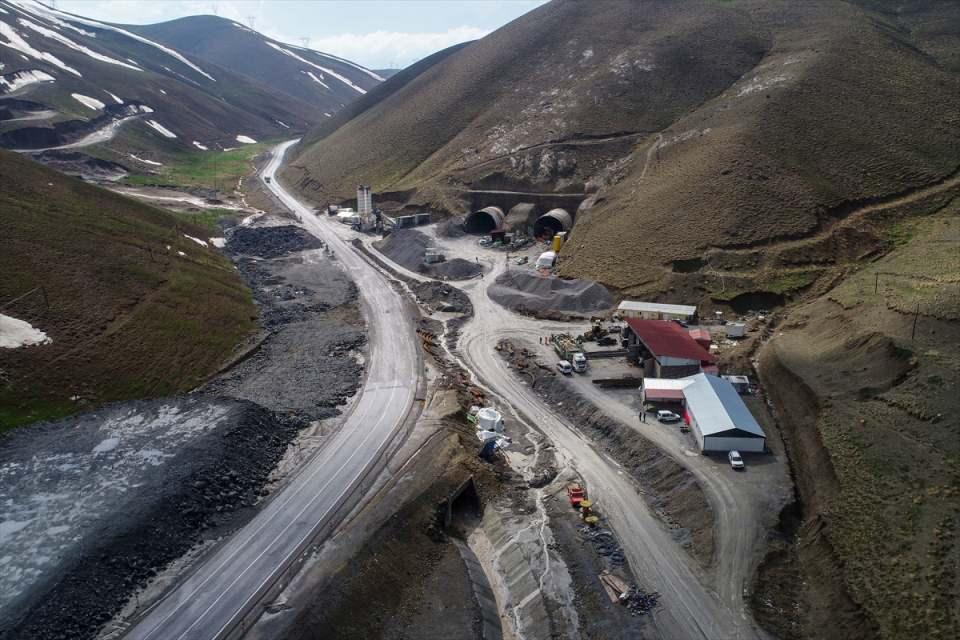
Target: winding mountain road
[214,601]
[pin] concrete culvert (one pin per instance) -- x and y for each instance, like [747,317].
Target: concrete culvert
[552,222]
[485,220]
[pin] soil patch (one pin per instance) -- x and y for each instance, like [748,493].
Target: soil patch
[525,291]
[670,490]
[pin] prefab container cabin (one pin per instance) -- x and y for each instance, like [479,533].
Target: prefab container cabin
[656,311]
[718,417]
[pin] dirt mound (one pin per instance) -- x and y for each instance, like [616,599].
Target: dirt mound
[270,242]
[407,246]
[196,463]
[526,291]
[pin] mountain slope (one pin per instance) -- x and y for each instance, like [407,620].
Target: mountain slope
[64,77]
[324,81]
[133,306]
[694,131]
[566,72]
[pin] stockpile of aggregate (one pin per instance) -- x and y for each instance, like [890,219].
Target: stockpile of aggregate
[526,291]
[406,247]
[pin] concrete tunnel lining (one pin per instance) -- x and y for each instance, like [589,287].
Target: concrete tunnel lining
[485,220]
[552,222]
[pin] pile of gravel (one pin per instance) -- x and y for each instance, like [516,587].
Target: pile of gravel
[526,291]
[270,242]
[407,246]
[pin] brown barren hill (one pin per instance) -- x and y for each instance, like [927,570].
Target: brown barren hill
[701,135]
[547,100]
[134,307]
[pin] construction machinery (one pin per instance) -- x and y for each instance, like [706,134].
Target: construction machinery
[587,514]
[576,494]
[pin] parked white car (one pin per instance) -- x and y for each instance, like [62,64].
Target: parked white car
[736,461]
[667,417]
[565,367]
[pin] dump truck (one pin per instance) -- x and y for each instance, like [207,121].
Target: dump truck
[576,494]
[569,350]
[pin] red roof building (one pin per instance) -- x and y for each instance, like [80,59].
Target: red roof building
[666,348]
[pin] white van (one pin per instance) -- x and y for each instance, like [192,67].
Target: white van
[565,367]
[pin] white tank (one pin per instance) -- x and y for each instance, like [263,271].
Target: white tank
[489,419]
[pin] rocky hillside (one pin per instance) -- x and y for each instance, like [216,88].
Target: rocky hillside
[693,134]
[324,81]
[120,300]
[69,81]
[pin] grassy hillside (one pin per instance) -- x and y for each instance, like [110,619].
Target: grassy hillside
[864,378]
[128,315]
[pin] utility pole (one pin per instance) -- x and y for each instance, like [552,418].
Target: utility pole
[876,284]
[916,314]
[252,20]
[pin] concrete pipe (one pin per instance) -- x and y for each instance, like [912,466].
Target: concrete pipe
[552,222]
[485,220]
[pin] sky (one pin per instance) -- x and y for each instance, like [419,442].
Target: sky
[378,34]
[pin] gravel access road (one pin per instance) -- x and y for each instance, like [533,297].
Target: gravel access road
[213,601]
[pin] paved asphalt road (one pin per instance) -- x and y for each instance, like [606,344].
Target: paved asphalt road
[209,603]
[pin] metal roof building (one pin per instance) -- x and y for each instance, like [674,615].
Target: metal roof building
[718,416]
[668,341]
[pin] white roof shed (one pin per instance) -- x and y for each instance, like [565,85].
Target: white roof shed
[656,310]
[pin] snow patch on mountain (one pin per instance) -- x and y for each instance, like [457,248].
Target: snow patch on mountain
[88,102]
[145,161]
[67,42]
[336,75]
[202,243]
[356,66]
[20,79]
[115,98]
[162,130]
[17,43]
[51,14]
[315,78]
[200,146]
[246,140]
[19,333]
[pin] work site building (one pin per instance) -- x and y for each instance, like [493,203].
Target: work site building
[713,409]
[656,310]
[665,349]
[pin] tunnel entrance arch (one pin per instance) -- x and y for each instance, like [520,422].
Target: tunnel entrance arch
[485,220]
[552,223]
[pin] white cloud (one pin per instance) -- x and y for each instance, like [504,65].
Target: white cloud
[381,49]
